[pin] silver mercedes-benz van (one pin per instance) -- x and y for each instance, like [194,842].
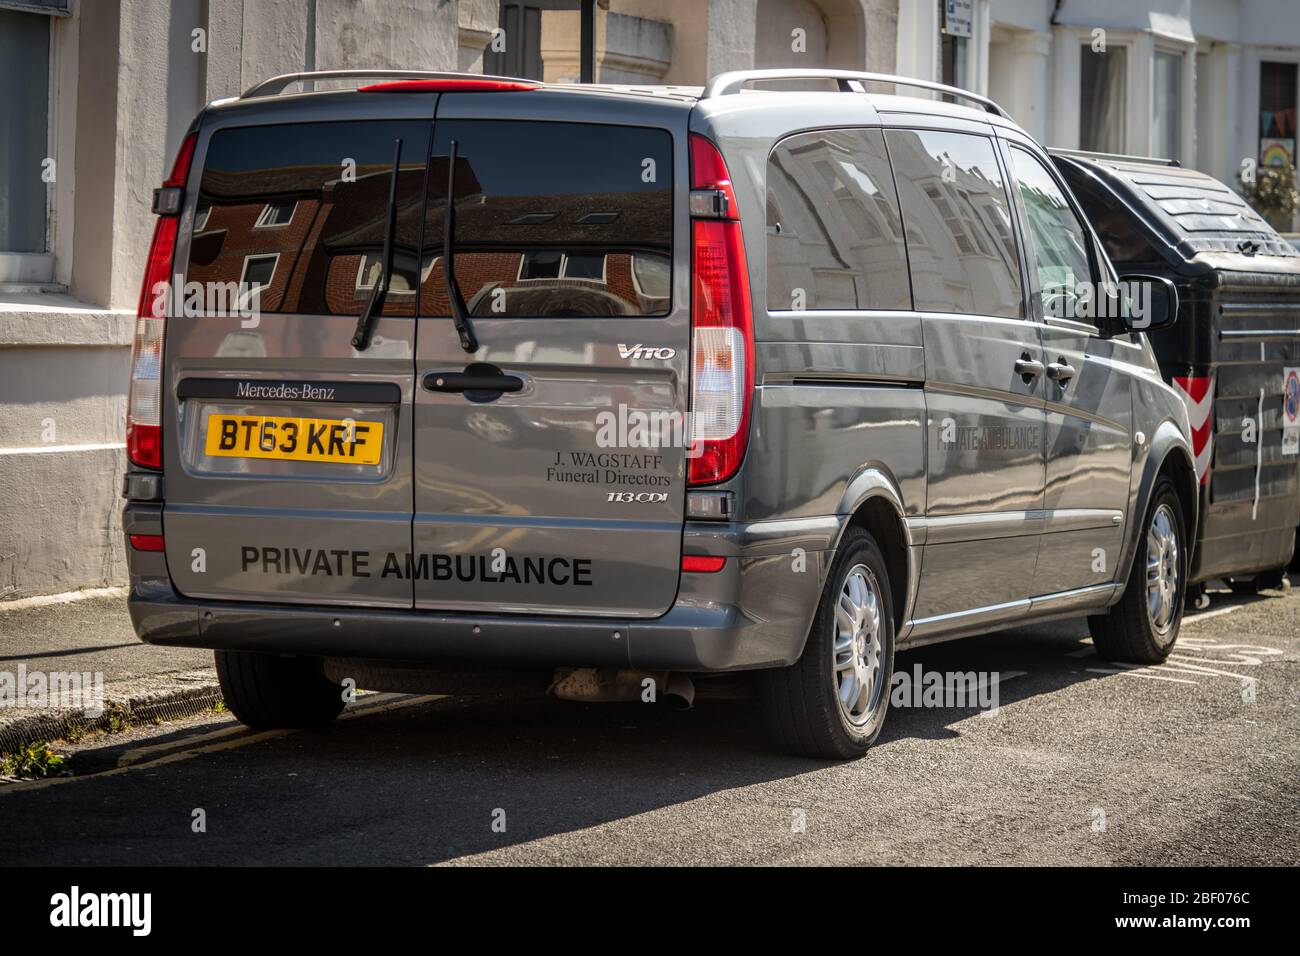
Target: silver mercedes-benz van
[637,385]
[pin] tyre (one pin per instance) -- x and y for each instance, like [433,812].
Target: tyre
[266,691]
[1143,626]
[832,702]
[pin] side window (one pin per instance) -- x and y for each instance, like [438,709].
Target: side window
[958,215]
[1057,240]
[298,212]
[834,234]
[1118,229]
[553,220]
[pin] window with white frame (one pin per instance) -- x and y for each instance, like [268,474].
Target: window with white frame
[1103,88]
[1167,105]
[401,282]
[549,264]
[257,274]
[24,118]
[276,214]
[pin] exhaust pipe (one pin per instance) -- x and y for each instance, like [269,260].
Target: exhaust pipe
[609,685]
[680,692]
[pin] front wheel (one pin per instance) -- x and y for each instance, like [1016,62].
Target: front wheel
[1143,626]
[833,701]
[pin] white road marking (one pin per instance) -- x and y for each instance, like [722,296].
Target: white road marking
[1188,664]
[1203,615]
[1107,670]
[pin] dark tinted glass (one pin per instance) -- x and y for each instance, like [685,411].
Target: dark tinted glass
[552,219]
[834,235]
[1116,226]
[301,211]
[959,239]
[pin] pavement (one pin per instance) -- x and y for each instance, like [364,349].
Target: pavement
[90,633]
[86,634]
[1191,762]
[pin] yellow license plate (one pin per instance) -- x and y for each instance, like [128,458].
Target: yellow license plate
[346,440]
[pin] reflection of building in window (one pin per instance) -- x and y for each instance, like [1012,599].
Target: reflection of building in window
[275,214]
[201,215]
[963,255]
[651,277]
[834,232]
[257,273]
[402,281]
[549,264]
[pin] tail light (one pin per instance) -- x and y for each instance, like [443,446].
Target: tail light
[722,377]
[144,398]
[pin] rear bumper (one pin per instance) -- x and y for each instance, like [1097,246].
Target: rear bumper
[754,613]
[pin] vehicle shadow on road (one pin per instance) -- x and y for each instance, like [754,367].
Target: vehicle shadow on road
[423,782]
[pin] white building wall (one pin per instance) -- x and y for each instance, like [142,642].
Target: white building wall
[1026,54]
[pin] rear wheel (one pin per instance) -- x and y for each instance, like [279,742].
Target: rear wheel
[833,701]
[266,691]
[1143,626]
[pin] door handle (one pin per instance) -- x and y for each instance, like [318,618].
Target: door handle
[1028,369]
[1060,371]
[479,382]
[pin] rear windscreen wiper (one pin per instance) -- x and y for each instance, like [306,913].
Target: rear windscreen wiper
[366,321]
[459,314]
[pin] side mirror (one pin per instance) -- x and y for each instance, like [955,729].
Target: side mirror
[1146,303]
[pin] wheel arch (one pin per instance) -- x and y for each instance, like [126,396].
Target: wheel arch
[1170,455]
[873,501]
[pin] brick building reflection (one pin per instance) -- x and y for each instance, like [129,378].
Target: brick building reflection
[313,242]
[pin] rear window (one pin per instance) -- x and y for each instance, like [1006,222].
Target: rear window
[1205,213]
[297,212]
[834,233]
[1181,205]
[958,219]
[558,220]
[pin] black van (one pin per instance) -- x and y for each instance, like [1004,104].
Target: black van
[1234,354]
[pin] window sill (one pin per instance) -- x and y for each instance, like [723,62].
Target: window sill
[42,319]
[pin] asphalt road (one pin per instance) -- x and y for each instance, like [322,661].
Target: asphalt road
[1193,762]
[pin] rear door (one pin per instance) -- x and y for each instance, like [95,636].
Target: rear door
[571,236]
[288,455]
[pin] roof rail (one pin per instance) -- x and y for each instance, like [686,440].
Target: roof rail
[1089,154]
[277,84]
[735,80]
